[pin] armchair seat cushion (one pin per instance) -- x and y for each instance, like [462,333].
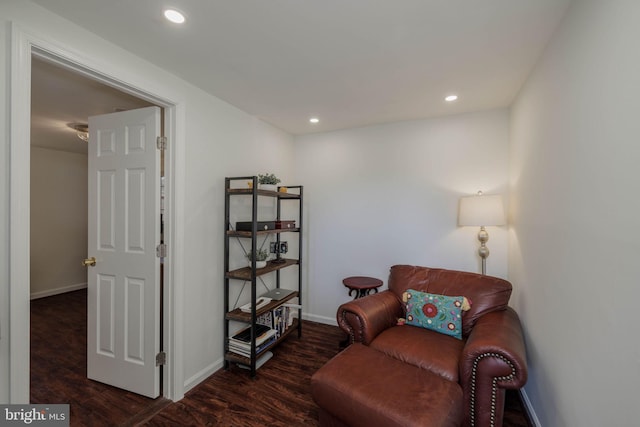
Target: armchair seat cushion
[423,348]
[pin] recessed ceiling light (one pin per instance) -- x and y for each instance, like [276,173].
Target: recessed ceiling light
[174,16]
[451,98]
[314,120]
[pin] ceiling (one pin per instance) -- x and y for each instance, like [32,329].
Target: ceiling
[351,63]
[60,97]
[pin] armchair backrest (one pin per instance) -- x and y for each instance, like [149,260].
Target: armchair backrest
[486,293]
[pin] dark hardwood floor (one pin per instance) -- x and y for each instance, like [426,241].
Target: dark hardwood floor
[59,365]
[278,396]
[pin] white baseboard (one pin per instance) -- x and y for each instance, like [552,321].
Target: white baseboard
[529,408]
[320,319]
[202,375]
[62,290]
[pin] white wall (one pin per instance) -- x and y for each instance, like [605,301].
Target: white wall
[575,204]
[218,140]
[226,142]
[58,221]
[384,195]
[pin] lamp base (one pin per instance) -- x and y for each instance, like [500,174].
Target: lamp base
[483,250]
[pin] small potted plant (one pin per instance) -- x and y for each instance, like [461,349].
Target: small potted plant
[268,181]
[261,258]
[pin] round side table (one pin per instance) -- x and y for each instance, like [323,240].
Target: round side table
[361,285]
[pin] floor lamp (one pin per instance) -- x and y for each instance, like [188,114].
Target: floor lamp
[481,211]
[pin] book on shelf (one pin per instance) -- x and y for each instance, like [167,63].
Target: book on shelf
[278,319]
[259,341]
[245,334]
[244,348]
[291,308]
[246,352]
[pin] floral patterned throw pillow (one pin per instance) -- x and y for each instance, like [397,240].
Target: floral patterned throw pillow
[440,313]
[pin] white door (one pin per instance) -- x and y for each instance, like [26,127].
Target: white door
[123,307]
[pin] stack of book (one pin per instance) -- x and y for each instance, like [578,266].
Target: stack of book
[240,343]
[278,319]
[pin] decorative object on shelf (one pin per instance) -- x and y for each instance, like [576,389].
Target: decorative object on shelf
[279,248]
[261,225]
[261,258]
[268,181]
[481,211]
[260,302]
[284,223]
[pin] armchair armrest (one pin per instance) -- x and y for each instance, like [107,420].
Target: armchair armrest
[364,318]
[493,359]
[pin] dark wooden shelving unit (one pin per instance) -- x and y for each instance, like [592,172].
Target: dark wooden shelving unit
[250,274]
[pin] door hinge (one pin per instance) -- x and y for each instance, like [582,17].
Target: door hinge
[161,142]
[161,250]
[161,358]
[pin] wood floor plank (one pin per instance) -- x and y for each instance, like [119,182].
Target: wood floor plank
[278,396]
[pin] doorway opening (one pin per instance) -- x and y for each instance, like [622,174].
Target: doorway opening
[154,89]
[61,98]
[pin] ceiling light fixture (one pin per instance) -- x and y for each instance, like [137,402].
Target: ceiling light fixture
[451,98]
[174,16]
[82,130]
[314,120]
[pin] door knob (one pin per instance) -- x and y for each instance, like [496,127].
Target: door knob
[89,262]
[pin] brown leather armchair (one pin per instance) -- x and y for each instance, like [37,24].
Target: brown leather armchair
[488,359]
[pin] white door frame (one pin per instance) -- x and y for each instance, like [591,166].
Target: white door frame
[24,44]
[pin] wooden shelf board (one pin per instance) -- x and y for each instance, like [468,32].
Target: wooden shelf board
[241,316]
[245,273]
[249,191]
[234,233]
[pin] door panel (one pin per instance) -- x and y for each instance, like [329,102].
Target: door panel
[105,314]
[123,308]
[105,209]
